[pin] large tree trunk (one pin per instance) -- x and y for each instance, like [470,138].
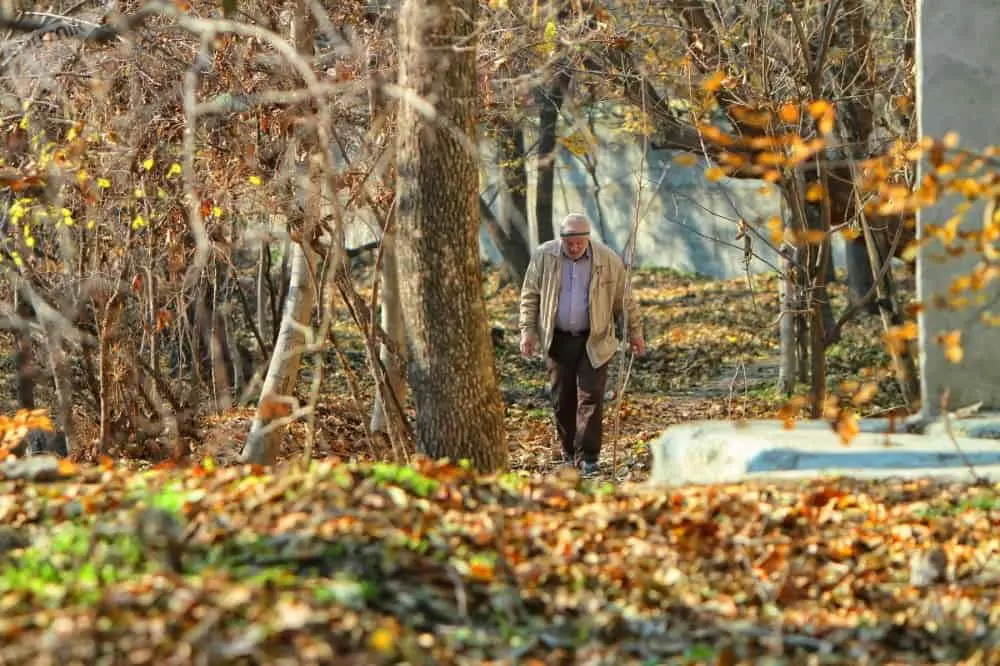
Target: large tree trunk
[451,364]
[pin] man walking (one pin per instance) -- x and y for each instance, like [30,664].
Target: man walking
[573,291]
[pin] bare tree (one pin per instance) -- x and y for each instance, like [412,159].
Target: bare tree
[264,440]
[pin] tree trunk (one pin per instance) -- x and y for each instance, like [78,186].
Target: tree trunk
[888,309]
[513,218]
[786,331]
[25,368]
[264,441]
[859,274]
[273,408]
[263,277]
[392,324]
[391,313]
[550,99]
[451,363]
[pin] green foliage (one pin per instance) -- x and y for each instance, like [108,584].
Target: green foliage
[404,477]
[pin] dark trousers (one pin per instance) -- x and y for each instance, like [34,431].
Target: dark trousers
[577,391]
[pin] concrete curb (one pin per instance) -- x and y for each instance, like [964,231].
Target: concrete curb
[723,452]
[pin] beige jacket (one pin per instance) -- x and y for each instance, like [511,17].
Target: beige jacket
[540,298]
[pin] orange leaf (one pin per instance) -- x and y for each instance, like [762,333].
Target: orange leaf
[714,174]
[818,108]
[952,343]
[865,394]
[714,82]
[162,320]
[826,122]
[789,113]
[273,407]
[846,425]
[815,192]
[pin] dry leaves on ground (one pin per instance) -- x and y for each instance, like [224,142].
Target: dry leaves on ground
[431,565]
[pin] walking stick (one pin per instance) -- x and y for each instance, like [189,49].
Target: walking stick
[618,417]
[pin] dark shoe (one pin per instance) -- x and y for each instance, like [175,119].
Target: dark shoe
[563,458]
[589,470]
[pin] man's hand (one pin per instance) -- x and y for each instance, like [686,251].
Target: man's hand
[638,347]
[529,345]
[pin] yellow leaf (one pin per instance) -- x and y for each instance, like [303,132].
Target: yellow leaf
[575,143]
[549,38]
[550,31]
[382,640]
[990,319]
[950,140]
[147,163]
[776,228]
[910,251]
[814,236]
[952,343]
[685,159]
[714,174]
[255,180]
[865,394]
[846,425]
[826,122]
[814,193]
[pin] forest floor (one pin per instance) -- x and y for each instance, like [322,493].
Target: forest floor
[374,563]
[713,354]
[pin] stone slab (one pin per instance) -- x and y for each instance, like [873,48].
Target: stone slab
[724,452]
[958,82]
[985,427]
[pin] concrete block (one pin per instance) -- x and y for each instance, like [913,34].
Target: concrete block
[723,452]
[958,89]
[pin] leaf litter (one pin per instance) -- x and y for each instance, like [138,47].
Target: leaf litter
[431,564]
[372,563]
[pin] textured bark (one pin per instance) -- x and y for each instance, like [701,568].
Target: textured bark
[451,363]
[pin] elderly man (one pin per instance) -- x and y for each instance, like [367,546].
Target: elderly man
[573,291]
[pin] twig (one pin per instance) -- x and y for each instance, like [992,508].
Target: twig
[618,417]
[629,260]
